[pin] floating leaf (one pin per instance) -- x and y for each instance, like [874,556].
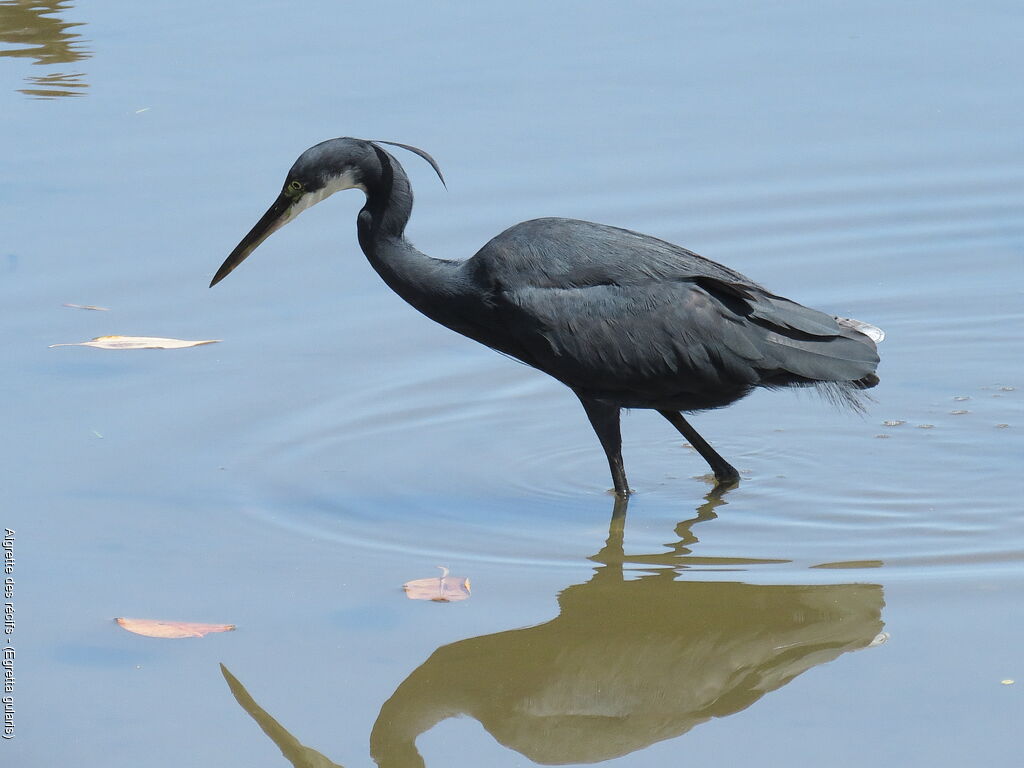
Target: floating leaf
[443,589]
[88,306]
[171,629]
[136,342]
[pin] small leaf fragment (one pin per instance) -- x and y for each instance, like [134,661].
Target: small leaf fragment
[136,342]
[171,629]
[87,306]
[443,589]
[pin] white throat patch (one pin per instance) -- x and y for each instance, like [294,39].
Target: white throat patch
[346,180]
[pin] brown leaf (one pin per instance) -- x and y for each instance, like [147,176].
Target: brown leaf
[171,629]
[443,589]
[136,342]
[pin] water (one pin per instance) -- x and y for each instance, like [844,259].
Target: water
[855,600]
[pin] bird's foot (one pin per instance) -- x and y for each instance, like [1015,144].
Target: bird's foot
[725,474]
[722,479]
[726,483]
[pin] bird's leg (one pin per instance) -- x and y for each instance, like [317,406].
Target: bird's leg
[725,473]
[604,418]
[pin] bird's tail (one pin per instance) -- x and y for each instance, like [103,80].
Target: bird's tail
[839,367]
[803,347]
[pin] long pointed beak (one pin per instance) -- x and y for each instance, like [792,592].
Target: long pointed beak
[276,217]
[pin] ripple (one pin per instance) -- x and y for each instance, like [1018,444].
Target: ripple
[374,480]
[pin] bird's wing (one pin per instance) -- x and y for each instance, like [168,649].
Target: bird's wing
[567,253]
[587,303]
[610,337]
[702,333]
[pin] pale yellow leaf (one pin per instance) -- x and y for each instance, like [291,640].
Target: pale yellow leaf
[88,306]
[136,342]
[171,629]
[443,589]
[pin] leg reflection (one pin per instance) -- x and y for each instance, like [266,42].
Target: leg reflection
[629,661]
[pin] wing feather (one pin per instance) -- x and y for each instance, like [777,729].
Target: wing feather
[613,310]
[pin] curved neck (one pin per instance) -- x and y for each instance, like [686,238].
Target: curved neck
[433,286]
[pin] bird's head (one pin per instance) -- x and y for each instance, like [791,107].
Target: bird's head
[320,171]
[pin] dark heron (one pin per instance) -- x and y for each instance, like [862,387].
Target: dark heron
[623,319]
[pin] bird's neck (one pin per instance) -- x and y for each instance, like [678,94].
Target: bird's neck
[433,286]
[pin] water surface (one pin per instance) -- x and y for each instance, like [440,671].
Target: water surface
[856,599]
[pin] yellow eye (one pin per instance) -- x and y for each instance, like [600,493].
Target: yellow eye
[295,186]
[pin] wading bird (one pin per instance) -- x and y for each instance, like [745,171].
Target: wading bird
[623,319]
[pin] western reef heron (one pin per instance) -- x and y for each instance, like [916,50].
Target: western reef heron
[623,319]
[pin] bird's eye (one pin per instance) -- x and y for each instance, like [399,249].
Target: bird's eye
[295,187]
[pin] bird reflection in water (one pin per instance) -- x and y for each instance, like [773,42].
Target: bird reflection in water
[628,662]
[38,32]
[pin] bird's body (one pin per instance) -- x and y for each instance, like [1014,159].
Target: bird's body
[620,316]
[623,319]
